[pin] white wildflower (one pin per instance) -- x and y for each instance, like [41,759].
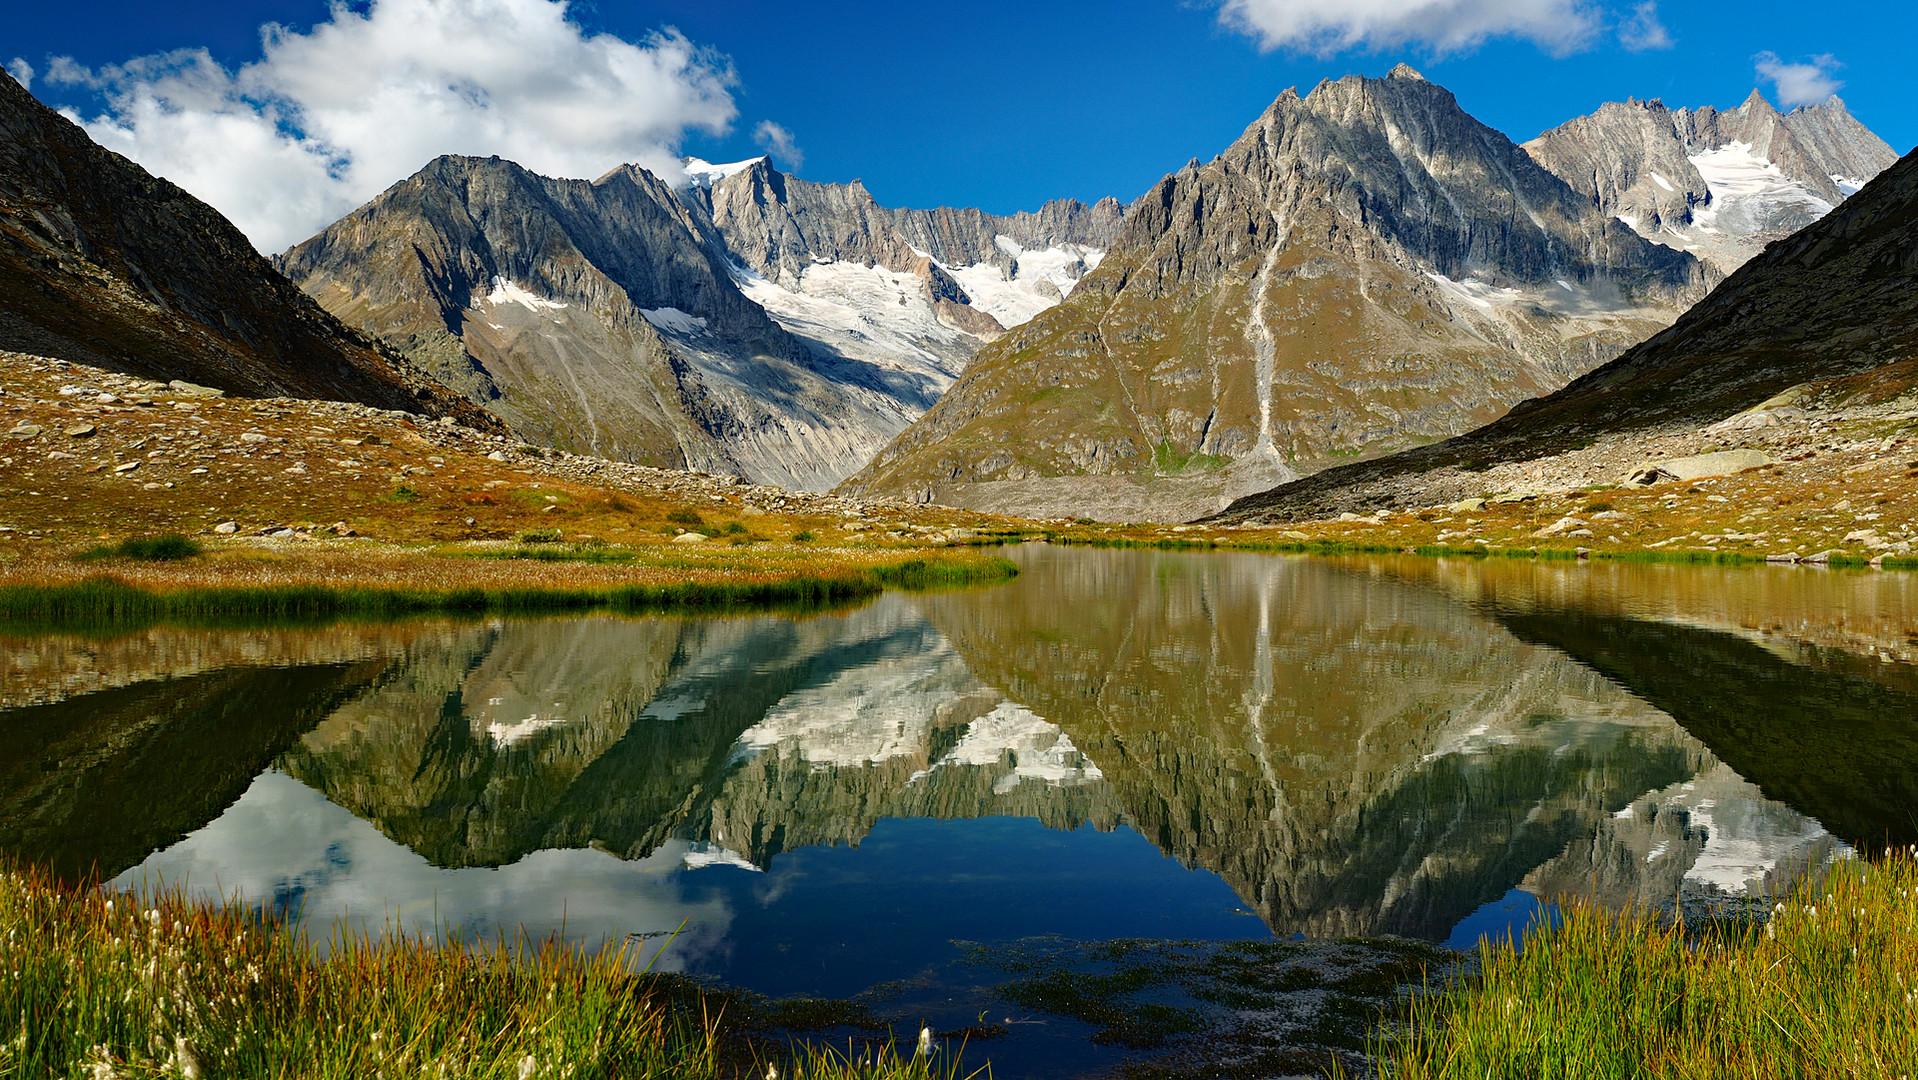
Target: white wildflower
[526,1067]
[185,1058]
[925,1042]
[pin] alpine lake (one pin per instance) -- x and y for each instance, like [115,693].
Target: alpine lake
[1140,810]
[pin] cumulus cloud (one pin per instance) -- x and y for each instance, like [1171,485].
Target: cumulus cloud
[326,119]
[1325,27]
[1642,32]
[777,141]
[21,71]
[1799,84]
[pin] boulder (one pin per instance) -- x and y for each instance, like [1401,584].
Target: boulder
[1697,467]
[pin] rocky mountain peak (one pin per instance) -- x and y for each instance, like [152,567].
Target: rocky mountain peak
[1717,184]
[1366,266]
[1404,71]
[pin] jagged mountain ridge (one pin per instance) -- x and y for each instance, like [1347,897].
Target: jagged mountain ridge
[669,326]
[104,264]
[1365,269]
[1835,299]
[1720,184]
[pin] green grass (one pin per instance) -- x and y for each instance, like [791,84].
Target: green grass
[1827,988]
[1169,460]
[98,984]
[167,547]
[106,599]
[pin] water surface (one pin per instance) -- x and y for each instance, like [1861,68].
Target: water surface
[1116,744]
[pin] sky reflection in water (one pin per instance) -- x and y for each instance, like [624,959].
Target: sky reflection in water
[1117,744]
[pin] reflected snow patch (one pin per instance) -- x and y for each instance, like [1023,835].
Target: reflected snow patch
[703,854]
[1036,748]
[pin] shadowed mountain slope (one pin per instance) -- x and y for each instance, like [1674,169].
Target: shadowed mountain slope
[1835,299]
[105,264]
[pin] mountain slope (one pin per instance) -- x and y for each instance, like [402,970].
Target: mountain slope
[747,323]
[1366,268]
[1836,299]
[1718,184]
[104,264]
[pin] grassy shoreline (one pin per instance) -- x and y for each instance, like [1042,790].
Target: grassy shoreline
[108,597]
[1351,547]
[108,985]
[118,985]
[1827,986]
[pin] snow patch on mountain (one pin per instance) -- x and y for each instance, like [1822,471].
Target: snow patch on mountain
[1749,191]
[673,320]
[868,313]
[1478,293]
[1040,278]
[506,292]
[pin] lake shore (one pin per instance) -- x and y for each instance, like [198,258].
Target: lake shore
[293,491]
[1821,985]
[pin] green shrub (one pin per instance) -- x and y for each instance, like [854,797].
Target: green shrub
[804,536]
[683,516]
[164,548]
[539,536]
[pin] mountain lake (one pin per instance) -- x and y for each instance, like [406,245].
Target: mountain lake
[1131,806]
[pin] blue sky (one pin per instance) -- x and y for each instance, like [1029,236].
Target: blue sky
[993,103]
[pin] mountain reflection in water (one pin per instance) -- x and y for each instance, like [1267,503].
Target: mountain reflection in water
[1341,747]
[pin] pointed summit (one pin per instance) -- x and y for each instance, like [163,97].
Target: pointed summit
[1756,103]
[1405,71]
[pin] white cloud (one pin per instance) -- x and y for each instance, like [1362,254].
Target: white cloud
[1642,32]
[1444,26]
[1799,84]
[327,119]
[777,141]
[22,72]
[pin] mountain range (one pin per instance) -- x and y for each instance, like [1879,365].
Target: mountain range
[1366,271]
[745,322]
[1718,184]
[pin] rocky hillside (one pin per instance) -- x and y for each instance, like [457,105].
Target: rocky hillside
[1836,299]
[1718,184]
[1367,268]
[105,264]
[746,322]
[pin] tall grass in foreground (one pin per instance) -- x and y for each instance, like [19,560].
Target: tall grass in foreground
[98,985]
[1827,988]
